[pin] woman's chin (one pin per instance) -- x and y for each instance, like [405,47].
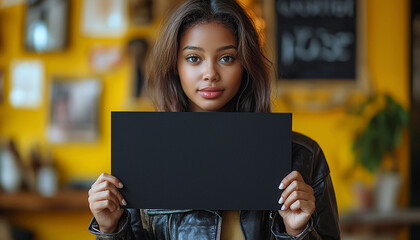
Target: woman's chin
[208,108]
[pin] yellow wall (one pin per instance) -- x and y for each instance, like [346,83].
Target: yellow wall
[388,63]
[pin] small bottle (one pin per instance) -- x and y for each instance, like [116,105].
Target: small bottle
[47,179]
[10,172]
[31,172]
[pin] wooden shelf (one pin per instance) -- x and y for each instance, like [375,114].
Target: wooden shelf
[380,222]
[70,200]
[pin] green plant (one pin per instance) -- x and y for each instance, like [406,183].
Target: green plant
[382,135]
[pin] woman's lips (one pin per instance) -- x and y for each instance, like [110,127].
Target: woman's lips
[210,92]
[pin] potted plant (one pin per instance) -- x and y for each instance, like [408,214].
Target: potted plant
[379,140]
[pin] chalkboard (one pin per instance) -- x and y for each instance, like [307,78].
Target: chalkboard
[316,39]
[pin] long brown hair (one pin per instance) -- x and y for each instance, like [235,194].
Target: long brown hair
[163,81]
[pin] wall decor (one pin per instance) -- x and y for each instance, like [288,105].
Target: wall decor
[137,50]
[141,12]
[104,59]
[27,82]
[318,48]
[10,3]
[46,25]
[104,18]
[74,110]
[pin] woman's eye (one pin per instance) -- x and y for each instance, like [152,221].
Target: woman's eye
[227,59]
[193,59]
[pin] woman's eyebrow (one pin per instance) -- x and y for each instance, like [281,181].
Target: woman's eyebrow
[226,47]
[188,47]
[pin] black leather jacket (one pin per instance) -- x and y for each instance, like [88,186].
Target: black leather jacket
[308,159]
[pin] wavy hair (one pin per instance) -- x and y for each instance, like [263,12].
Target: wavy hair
[163,81]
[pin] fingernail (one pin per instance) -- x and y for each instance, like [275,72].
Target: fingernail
[281,200]
[281,187]
[124,202]
[283,207]
[120,185]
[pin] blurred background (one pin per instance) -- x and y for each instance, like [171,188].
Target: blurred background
[346,69]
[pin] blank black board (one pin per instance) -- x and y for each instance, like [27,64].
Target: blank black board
[201,160]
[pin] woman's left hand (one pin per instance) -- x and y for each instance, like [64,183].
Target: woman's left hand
[298,203]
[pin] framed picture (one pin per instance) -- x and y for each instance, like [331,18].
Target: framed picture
[104,18]
[10,3]
[164,7]
[74,110]
[137,50]
[26,83]
[319,56]
[105,59]
[46,25]
[141,12]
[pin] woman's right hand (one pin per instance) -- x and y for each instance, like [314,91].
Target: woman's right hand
[104,202]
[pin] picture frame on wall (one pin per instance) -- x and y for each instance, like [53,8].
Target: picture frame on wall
[141,12]
[319,56]
[74,110]
[10,3]
[26,83]
[104,18]
[105,58]
[137,51]
[46,25]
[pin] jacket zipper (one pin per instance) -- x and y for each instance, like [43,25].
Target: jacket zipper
[169,226]
[219,223]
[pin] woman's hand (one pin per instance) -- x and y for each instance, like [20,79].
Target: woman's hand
[104,202]
[298,203]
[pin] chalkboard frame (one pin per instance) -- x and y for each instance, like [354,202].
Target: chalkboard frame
[319,94]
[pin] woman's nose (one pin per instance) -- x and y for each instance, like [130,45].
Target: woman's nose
[210,72]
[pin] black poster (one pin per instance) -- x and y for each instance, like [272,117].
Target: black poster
[201,160]
[316,39]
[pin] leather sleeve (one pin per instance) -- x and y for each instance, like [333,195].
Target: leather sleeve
[129,228]
[310,162]
[323,223]
[326,221]
[279,232]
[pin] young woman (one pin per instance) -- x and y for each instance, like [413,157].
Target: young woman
[208,58]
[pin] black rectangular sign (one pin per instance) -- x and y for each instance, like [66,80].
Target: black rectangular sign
[201,160]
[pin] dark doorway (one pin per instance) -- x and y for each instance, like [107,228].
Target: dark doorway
[415,111]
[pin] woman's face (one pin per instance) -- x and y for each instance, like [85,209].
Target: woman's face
[208,66]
